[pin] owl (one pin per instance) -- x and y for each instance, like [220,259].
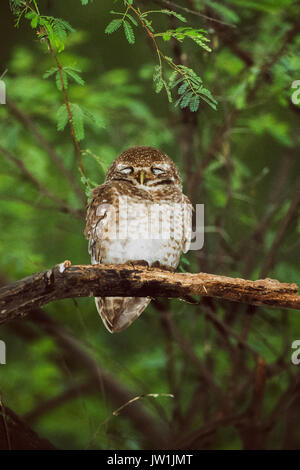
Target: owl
[138,216]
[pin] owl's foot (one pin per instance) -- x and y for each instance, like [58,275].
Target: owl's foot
[157,264]
[137,262]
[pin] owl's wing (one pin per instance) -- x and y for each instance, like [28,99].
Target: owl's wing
[117,313]
[187,224]
[103,198]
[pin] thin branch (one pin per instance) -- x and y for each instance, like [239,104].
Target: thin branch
[222,131]
[62,205]
[66,281]
[67,103]
[285,223]
[175,6]
[71,392]
[26,120]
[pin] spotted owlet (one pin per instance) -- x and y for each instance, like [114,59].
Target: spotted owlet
[138,216]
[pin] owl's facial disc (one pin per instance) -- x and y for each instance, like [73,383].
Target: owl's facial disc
[145,176]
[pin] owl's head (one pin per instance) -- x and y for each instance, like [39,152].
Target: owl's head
[144,167]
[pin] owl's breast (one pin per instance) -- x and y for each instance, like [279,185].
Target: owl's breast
[144,231]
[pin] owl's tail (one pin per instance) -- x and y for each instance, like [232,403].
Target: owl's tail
[118,313]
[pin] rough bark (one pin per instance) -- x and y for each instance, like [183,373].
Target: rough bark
[66,281]
[16,435]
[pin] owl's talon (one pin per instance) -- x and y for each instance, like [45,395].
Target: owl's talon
[157,264]
[139,262]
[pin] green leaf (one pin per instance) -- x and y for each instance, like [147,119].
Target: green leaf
[194,103]
[50,72]
[132,19]
[113,26]
[72,72]
[77,121]
[186,100]
[62,117]
[61,28]
[95,120]
[159,85]
[129,32]
[174,13]
[183,88]
[33,17]
[64,78]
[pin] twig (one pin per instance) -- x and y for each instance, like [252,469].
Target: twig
[21,437]
[5,425]
[221,131]
[67,103]
[56,159]
[193,12]
[62,205]
[282,229]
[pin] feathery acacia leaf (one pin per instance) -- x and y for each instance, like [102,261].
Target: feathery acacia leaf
[113,26]
[77,120]
[50,72]
[175,14]
[73,73]
[62,117]
[128,32]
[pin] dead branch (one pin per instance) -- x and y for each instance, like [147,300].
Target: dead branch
[66,281]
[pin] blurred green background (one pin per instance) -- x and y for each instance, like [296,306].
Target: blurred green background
[241,161]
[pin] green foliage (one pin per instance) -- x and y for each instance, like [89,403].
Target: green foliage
[128,32]
[190,89]
[63,74]
[247,155]
[197,35]
[195,88]
[62,117]
[79,115]
[113,26]
[175,14]
[54,29]
[77,119]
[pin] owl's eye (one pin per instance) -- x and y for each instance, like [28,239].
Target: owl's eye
[157,171]
[127,170]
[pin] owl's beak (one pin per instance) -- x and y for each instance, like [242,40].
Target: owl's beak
[142,177]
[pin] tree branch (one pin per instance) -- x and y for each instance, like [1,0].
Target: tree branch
[66,281]
[17,435]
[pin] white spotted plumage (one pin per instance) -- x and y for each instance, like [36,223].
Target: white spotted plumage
[134,218]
